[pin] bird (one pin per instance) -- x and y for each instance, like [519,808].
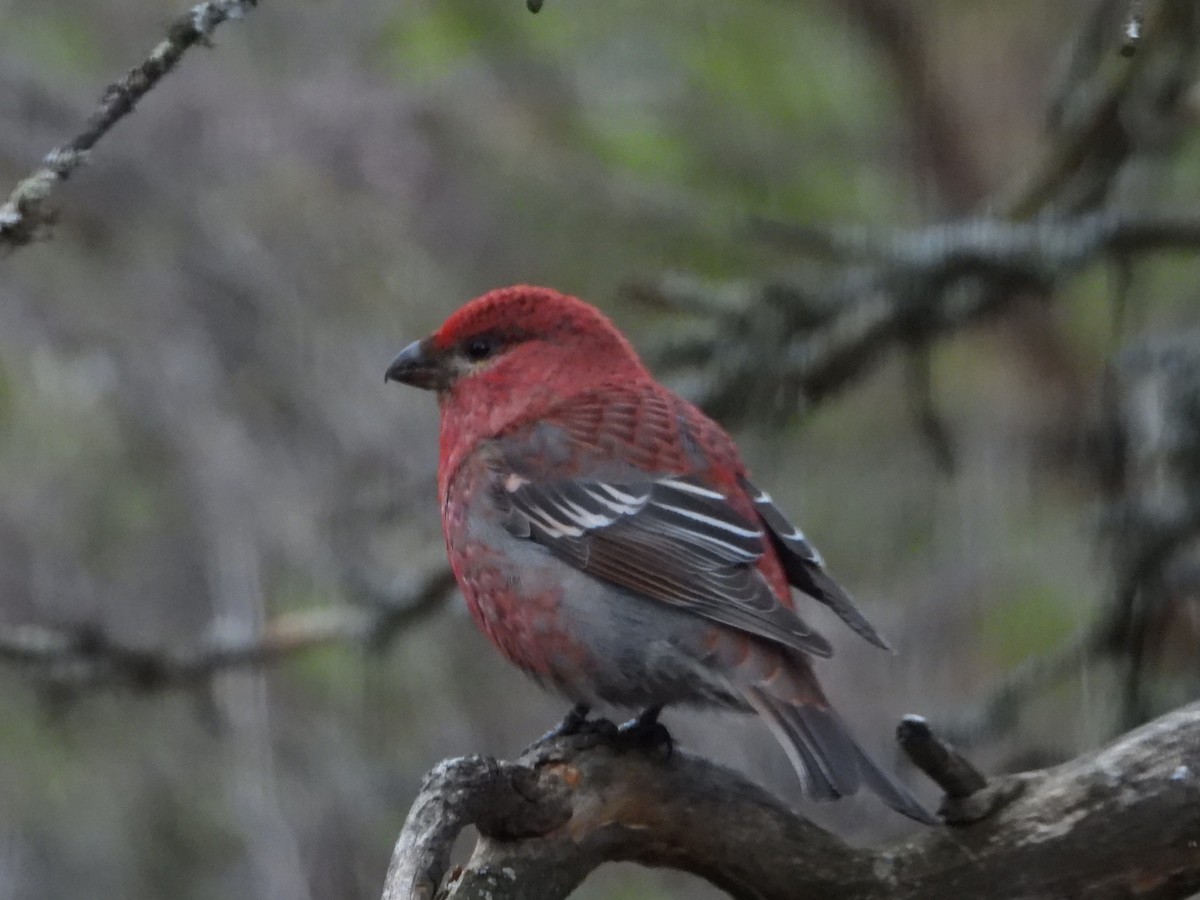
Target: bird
[608,540]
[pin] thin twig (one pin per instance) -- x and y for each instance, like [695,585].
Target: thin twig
[27,214]
[930,424]
[949,769]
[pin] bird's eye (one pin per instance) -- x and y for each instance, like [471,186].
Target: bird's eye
[478,349]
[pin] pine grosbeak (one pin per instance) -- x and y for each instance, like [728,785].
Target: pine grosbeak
[609,542]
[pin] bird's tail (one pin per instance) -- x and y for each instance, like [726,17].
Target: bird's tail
[828,760]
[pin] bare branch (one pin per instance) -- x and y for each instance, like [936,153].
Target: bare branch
[786,345]
[27,213]
[1041,246]
[1116,822]
[76,658]
[930,424]
[912,287]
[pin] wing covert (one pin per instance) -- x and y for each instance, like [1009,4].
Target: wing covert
[671,538]
[806,569]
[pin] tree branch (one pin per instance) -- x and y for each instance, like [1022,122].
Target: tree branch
[82,657]
[1118,822]
[27,214]
[910,288]
[1045,245]
[786,345]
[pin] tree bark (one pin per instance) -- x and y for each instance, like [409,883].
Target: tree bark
[1123,821]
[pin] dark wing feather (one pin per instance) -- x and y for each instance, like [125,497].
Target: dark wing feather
[806,569]
[830,762]
[671,538]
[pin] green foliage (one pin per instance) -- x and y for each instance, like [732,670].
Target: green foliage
[8,398]
[430,42]
[1088,309]
[1181,172]
[1033,618]
[61,41]
[640,145]
[796,76]
[743,108]
[124,507]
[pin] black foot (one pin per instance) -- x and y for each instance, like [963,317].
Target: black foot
[643,734]
[646,733]
[576,722]
[573,722]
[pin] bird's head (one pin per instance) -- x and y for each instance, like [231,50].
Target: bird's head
[521,338]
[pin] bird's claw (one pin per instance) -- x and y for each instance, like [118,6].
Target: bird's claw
[576,722]
[643,733]
[646,734]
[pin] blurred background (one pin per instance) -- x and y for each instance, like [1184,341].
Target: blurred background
[228,653]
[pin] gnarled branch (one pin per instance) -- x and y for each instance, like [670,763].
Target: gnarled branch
[1119,822]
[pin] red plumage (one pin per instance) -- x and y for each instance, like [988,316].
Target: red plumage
[607,538]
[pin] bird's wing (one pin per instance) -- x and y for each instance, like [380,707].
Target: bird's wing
[671,538]
[626,484]
[805,568]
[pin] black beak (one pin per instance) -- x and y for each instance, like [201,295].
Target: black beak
[413,365]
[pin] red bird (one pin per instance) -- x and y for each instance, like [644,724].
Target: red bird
[609,542]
